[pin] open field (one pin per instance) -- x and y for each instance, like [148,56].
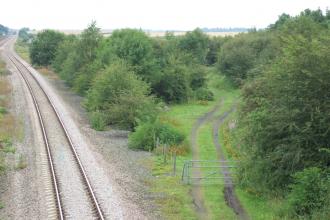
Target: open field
[107,32]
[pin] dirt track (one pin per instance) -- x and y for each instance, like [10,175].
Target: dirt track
[229,188]
[196,189]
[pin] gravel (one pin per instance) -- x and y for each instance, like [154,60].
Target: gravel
[23,191]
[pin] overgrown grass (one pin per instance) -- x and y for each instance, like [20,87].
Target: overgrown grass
[8,127]
[22,50]
[173,197]
[183,117]
[257,207]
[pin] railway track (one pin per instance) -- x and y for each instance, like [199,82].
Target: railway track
[37,91]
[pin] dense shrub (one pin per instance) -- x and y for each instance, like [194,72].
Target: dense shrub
[121,96]
[197,43]
[245,52]
[43,48]
[310,192]
[204,94]
[284,117]
[174,85]
[146,135]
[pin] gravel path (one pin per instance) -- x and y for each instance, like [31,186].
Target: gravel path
[196,189]
[24,191]
[229,189]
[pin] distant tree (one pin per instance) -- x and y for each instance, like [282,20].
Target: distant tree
[24,35]
[135,47]
[241,56]
[89,41]
[282,19]
[87,48]
[3,30]
[196,43]
[214,45]
[44,46]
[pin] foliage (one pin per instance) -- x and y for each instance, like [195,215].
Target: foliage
[204,94]
[121,96]
[284,117]
[44,46]
[98,120]
[242,54]
[76,61]
[196,43]
[214,47]
[309,192]
[146,135]
[24,35]
[174,83]
[135,47]
[3,30]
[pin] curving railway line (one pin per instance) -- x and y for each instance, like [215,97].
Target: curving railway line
[60,148]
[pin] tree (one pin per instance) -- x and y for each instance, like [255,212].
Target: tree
[44,47]
[242,55]
[120,96]
[196,43]
[89,41]
[135,47]
[285,116]
[174,84]
[23,34]
[3,30]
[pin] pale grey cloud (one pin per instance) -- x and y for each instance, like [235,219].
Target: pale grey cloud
[149,14]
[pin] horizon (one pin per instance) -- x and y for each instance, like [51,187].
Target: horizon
[146,15]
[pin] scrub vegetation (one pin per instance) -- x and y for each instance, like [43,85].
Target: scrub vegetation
[279,79]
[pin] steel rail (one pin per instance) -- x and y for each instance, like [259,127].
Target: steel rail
[72,147]
[45,139]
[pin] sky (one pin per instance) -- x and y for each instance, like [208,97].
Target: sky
[149,14]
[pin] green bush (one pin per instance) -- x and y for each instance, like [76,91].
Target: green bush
[3,110]
[121,96]
[146,134]
[204,94]
[309,192]
[44,47]
[98,120]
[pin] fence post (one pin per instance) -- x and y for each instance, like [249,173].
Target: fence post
[164,153]
[174,163]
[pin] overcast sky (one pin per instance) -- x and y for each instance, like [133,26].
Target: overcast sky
[149,14]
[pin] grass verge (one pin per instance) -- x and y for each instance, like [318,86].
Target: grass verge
[22,49]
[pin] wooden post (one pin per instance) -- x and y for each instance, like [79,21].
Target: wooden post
[164,152]
[174,163]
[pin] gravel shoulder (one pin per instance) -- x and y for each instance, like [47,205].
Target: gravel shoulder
[23,190]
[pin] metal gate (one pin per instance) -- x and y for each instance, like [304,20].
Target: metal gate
[208,172]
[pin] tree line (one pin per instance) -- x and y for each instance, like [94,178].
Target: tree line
[284,118]
[126,79]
